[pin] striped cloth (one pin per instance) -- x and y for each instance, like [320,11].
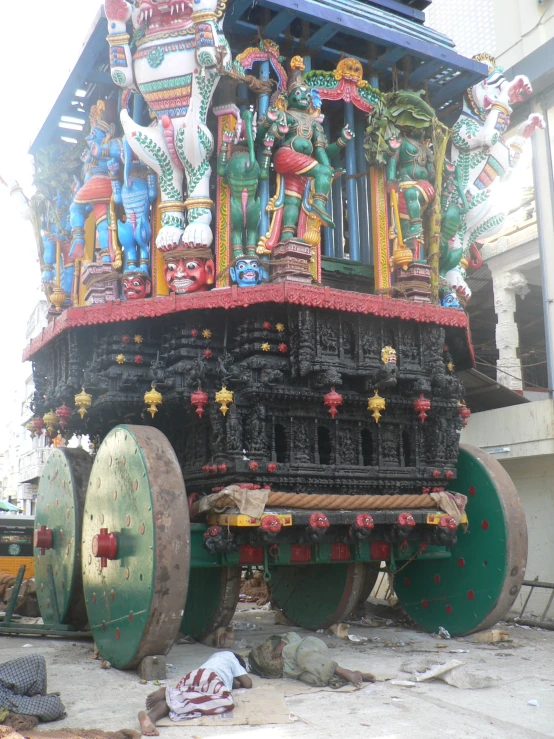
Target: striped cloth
[200,693]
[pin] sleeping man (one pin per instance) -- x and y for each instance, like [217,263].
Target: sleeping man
[203,692]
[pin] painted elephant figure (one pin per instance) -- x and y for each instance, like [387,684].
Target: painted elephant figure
[484,159]
[178,51]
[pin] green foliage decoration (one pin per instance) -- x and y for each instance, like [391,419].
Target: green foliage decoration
[392,112]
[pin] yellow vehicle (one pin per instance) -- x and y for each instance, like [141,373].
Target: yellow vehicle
[16,544]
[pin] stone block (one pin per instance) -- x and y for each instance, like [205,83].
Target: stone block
[153,668]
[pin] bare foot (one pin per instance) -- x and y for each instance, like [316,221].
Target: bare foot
[155,697]
[352,676]
[147,726]
[367,677]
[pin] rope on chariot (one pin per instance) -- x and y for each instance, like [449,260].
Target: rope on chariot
[350,502]
[343,502]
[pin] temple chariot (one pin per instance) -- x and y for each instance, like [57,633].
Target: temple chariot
[256,262]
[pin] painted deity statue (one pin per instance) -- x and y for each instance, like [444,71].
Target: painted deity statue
[136,195]
[304,155]
[484,159]
[410,172]
[95,194]
[178,52]
[56,234]
[241,172]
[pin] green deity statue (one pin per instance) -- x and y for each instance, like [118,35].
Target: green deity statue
[305,153]
[410,171]
[241,173]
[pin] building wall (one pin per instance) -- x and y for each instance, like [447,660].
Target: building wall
[522,430]
[469,23]
[521,27]
[534,480]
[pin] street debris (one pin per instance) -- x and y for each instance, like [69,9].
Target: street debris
[186,640]
[454,672]
[355,639]
[443,633]
[533,702]
[245,626]
[492,636]
[339,630]
[27,603]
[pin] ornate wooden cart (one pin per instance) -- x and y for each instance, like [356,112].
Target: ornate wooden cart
[249,351]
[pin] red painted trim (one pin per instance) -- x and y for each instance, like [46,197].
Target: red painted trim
[314,296]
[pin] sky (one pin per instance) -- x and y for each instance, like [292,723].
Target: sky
[42,41]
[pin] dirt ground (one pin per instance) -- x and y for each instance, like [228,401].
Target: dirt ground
[523,669]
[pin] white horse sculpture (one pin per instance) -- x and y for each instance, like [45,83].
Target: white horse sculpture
[179,48]
[484,158]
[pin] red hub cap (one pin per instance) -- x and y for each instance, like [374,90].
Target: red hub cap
[104,547]
[43,539]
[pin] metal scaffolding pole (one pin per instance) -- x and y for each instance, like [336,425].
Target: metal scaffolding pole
[544,200]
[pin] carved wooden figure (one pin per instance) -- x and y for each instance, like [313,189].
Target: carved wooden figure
[179,49]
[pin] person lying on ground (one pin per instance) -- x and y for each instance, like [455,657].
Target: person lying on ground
[306,659]
[23,689]
[203,692]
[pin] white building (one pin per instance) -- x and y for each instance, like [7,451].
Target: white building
[469,23]
[23,458]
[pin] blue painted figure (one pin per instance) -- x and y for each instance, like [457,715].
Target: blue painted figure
[48,253]
[56,229]
[246,272]
[96,192]
[136,194]
[450,300]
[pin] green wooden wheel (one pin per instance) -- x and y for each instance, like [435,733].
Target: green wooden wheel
[475,587]
[212,599]
[58,517]
[136,546]
[317,596]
